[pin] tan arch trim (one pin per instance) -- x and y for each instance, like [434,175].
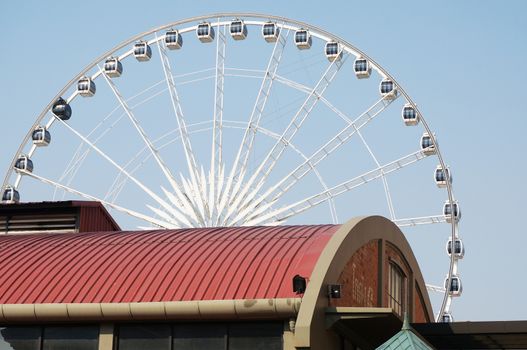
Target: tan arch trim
[310,331]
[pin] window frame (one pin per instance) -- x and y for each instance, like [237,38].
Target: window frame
[397,292]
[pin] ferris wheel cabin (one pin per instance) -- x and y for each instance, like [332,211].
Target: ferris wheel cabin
[41,136]
[459,248]
[410,116]
[10,195]
[427,144]
[333,51]
[23,164]
[86,87]
[388,89]
[362,68]
[303,39]
[142,51]
[205,32]
[238,29]
[173,40]
[447,318]
[455,289]
[61,109]
[447,211]
[113,67]
[442,176]
[270,32]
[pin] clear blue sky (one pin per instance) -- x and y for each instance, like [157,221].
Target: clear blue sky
[463,62]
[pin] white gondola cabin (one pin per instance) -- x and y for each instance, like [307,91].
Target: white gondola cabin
[113,67]
[303,39]
[447,318]
[61,109]
[205,32]
[447,211]
[333,51]
[362,68]
[10,195]
[142,51]
[410,115]
[459,248]
[442,176]
[23,163]
[41,136]
[388,89]
[427,144]
[270,32]
[173,40]
[86,87]
[454,288]
[238,29]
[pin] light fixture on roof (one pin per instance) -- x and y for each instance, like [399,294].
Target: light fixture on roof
[299,284]
[334,291]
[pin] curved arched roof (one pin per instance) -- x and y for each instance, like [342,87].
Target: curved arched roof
[154,266]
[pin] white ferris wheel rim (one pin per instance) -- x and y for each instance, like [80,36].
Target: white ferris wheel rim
[281,22]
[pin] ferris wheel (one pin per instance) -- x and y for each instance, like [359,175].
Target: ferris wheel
[241,119]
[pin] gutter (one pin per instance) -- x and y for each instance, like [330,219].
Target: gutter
[168,310]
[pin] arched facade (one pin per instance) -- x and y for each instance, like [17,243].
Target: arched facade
[218,277]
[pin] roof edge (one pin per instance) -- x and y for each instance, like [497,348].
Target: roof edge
[168,310]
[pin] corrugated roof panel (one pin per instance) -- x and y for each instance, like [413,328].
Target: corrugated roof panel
[165,265]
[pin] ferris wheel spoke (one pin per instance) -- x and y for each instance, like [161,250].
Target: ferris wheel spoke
[266,204]
[312,201]
[165,170]
[236,175]
[217,130]
[383,177]
[155,197]
[164,224]
[423,220]
[184,136]
[310,164]
[268,164]
[433,288]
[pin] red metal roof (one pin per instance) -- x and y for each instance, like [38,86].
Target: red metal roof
[150,266]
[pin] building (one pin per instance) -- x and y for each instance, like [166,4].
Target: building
[71,279]
[204,288]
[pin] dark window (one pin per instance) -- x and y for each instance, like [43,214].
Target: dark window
[140,50]
[386,87]
[139,337]
[203,30]
[66,338]
[171,37]
[332,49]
[301,37]
[454,285]
[110,65]
[427,142]
[200,336]
[20,338]
[448,209]
[457,247]
[409,113]
[396,289]
[236,28]
[255,336]
[440,175]
[361,66]
[268,29]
